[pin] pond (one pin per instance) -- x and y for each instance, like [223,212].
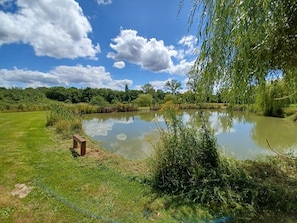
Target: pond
[245,136]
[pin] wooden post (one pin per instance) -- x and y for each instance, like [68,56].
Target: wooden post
[74,143]
[83,148]
[83,144]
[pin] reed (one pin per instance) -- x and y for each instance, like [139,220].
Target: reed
[189,167]
[65,121]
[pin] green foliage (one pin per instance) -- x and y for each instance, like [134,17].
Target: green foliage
[84,101]
[144,100]
[95,188]
[121,107]
[99,100]
[241,43]
[170,97]
[269,99]
[189,97]
[29,99]
[63,120]
[173,86]
[183,159]
[189,167]
[58,94]
[93,95]
[21,95]
[83,108]
[148,89]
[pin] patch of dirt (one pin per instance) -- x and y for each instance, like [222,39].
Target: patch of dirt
[95,153]
[21,190]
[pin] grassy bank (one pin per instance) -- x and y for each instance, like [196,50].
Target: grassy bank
[100,187]
[64,188]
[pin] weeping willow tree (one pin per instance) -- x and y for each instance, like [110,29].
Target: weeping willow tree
[242,44]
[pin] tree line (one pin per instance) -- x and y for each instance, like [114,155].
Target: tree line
[269,102]
[96,96]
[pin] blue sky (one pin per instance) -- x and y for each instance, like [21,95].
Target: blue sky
[94,43]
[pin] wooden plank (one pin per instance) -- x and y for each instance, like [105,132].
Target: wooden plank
[78,138]
[83,144]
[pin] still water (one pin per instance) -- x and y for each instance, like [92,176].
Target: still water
[245,136]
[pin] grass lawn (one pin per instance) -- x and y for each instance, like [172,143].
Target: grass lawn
[65,188]
[41,181]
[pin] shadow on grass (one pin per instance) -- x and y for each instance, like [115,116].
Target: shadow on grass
[74,153]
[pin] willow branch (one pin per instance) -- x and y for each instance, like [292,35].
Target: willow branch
[285,97]
[278,153]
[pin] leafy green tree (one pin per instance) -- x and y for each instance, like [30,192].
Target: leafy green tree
[13,95]
[99,100]
[148,89]
[127,94]
[144,100]
[290,83]
[270,101]
[242,42]
[159,95]
[173,86]
[58,93]
[188,97]
[133,94]
[170,97]
[75,95]
[87,94]
[120,95]
[126,88]
[42,89]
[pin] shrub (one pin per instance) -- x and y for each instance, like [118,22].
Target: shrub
[144,100]
[268,100]
[63,119]
[170,97]
[188,166]
[99,100]
[184,159]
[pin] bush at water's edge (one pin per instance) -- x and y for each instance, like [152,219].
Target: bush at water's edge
[188,167]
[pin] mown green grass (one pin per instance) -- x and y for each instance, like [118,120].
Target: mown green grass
[66,189]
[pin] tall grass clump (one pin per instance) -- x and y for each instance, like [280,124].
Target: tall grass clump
[63,120]
[189,166]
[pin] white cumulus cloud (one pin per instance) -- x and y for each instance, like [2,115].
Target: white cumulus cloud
[119,64]
[53,28]
[84,76]
[104,2]
[157,85]
[183,67]
[152,54]
[190,42]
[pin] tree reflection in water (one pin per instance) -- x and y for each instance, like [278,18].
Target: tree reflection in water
[241,134]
